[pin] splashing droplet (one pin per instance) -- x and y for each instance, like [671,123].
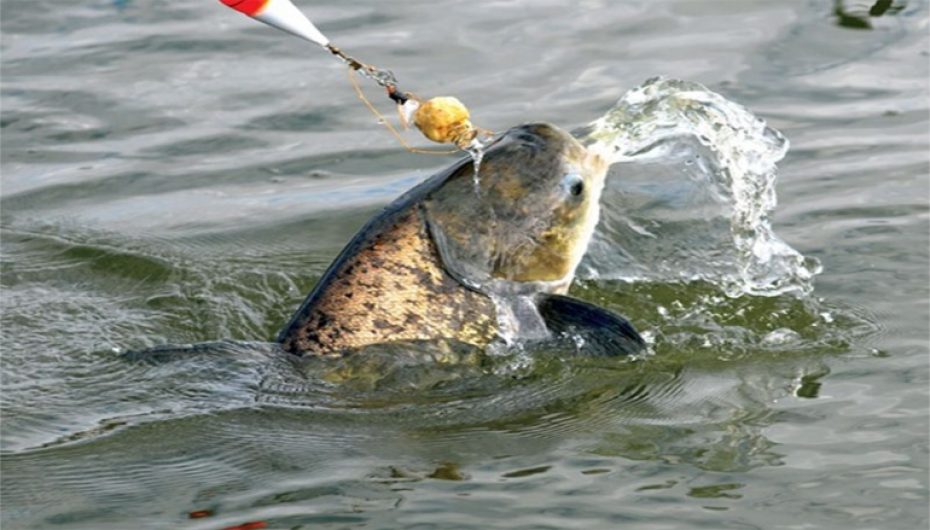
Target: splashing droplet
[475,150]
[664,117]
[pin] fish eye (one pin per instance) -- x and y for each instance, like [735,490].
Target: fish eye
[574,184]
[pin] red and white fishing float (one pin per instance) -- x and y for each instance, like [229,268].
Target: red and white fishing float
[281,14]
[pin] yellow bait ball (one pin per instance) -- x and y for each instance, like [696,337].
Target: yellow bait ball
[445,120]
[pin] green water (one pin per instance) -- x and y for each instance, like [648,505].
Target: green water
[179,174]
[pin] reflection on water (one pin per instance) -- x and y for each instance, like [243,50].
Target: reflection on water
[178,176]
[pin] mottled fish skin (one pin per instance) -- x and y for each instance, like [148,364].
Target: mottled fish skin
[392,283]
[393,288]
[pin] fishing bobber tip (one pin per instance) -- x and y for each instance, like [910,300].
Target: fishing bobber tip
[281,14]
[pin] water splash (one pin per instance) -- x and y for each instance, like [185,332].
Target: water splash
[477,155]
[518,318]
[664,117]
[476,150]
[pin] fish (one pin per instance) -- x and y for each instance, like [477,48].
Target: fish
[471,259]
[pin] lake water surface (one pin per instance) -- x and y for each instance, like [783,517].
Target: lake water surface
[176,173]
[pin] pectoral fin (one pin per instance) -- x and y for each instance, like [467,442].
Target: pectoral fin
[602,332]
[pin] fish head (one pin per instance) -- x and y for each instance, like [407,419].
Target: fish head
[529,215]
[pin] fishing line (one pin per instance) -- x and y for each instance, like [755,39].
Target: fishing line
[444,120]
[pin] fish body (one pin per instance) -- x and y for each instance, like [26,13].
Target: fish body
[470,260]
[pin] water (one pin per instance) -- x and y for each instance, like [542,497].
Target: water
[660,121]
[476,152]
[185,174]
